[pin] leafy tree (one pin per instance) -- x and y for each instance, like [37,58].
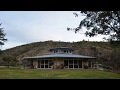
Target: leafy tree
[10,60]
[14,61]
[100,22]
[104,23]
[112,61]
[7,61]
[2,36]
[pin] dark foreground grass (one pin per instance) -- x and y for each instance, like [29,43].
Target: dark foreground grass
[18,73]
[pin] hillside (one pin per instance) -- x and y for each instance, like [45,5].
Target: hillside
[98,49]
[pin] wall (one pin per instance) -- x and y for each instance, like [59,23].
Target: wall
[58,61]
[35,63]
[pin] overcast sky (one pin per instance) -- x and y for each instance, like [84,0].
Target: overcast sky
[22,27]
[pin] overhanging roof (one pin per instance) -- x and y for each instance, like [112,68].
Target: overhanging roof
[60,56]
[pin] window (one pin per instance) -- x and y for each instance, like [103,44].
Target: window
[70,66]
[65,62]
[80,64]
[45,63]
[42,61]
[46,66]
[70,61]
[42,66]
[73,63]
[64,51]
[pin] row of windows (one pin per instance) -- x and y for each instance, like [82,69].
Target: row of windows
[45,63]
[73,63]
[64,51]
[68,63]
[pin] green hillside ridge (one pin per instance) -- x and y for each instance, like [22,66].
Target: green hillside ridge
[91,48]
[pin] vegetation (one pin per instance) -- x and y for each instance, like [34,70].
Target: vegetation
[41,48]
[104,23]
[9,61]
[112,61]
[104,51]
[18,73]
[2,36]
[100,22]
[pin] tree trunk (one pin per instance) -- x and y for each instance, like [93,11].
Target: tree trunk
[8,65]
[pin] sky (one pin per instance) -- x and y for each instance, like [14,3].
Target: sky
[23,27]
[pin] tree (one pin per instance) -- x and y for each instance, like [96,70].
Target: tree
[2,36]
[113,60]
[100,22]
[14,61]
[7,61]
[10,60]
[104,23]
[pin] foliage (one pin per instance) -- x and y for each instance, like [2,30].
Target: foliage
[10,61]
[112,61]
[102,50]
[2,36]
[100,22]
[25,63]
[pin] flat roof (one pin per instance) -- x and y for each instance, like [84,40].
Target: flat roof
[60,56]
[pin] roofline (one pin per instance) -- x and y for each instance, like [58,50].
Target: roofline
[60,57]
[47,56]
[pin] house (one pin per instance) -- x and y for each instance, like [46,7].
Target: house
[61,58]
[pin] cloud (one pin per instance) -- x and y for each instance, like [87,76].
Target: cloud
[24,27]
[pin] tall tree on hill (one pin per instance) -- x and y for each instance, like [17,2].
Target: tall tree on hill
[2,36]
[103,23]
[100,22]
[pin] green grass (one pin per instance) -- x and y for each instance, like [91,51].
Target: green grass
[18,73]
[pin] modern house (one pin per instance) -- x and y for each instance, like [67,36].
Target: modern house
[61,58]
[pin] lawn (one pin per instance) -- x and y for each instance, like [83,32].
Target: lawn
[18,73]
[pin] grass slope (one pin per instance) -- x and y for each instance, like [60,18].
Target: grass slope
[41,48]
[18,73]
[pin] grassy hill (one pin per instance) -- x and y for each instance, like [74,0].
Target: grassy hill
[98,49]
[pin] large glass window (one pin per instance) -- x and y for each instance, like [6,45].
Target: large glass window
[45,63]
[64,51]
[80,64]
[42,66]
[73,63]
[46,66]
[70,66]
[70,61]
[65,62]
[42,61]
